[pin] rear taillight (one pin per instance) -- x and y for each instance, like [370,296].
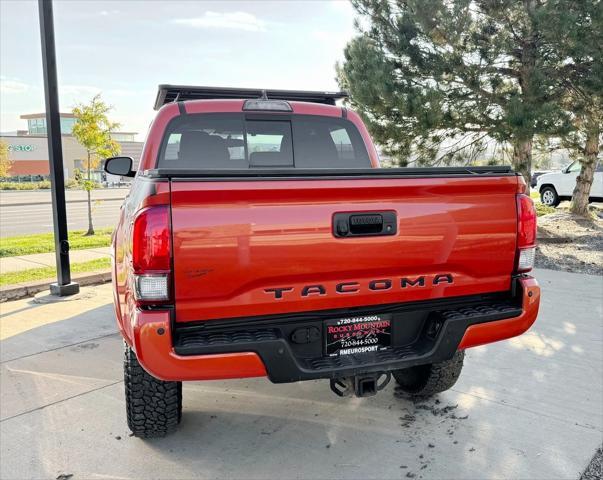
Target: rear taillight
[151,253]
[526,233]
[152,287]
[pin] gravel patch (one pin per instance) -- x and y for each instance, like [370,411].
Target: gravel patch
[570,243]
[594,471]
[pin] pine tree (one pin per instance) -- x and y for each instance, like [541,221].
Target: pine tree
[574,29]
[427,74]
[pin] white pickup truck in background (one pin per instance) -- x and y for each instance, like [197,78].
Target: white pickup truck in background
[558,186]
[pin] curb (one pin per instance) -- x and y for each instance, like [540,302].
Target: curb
[29,289]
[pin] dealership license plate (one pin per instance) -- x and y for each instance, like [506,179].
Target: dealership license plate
[353,335]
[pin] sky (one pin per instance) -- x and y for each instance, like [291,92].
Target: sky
[124,49]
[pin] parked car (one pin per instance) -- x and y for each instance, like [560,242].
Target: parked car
[535,175]
[558,186]
[261,239]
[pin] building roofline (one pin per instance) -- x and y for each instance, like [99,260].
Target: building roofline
[25,137]
[36,135]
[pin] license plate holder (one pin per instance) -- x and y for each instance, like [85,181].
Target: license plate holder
[355,335]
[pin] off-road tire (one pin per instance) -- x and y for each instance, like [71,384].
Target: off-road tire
[153,407]
[427,380]
[549,196]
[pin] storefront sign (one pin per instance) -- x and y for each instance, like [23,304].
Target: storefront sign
[21,148]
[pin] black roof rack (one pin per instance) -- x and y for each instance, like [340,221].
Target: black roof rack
[175,93]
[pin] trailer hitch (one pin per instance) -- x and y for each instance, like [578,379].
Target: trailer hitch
[360,385]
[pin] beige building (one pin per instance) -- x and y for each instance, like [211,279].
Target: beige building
[28,149]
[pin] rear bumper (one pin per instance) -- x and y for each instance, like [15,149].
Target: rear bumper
[155,351]
[423,333]
[488,332]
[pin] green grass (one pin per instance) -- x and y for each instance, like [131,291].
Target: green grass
[44,242]
[542,209]
[534,194]
[44,273]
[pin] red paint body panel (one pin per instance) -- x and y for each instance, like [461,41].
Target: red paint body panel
[142,195]
[156,355]
[502,329]
[233,240]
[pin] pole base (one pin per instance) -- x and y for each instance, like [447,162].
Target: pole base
[64,290]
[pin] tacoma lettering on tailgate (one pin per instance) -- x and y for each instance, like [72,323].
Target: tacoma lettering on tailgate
[354,287]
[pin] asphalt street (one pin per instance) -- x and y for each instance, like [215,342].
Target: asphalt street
[24,212]
[526,408]
[21,197]
[23,219]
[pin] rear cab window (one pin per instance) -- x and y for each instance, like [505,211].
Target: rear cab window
[216,141]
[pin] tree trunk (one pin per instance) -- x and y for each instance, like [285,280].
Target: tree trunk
[522,158]
[90,226]
[588,163]
[524,135]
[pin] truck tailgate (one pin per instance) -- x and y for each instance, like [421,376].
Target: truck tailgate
[256,247]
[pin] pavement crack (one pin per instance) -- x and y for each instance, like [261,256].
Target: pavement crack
[60,401]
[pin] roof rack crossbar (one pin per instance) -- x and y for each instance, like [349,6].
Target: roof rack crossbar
[173,93]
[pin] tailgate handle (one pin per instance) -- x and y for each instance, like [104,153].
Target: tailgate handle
[364,224]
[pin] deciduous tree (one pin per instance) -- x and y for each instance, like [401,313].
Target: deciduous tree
[92,129]
[5,162]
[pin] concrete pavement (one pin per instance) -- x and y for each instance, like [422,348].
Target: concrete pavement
[38,260]
[526,408]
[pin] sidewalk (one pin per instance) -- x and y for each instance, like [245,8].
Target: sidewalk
[40,260]
[525,408]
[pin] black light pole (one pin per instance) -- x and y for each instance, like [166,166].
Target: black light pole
[64,285]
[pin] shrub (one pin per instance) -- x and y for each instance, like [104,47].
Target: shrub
[44,184]
[72,183]
[78,184]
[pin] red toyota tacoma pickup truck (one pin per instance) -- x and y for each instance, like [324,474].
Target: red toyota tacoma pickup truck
[260,239]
